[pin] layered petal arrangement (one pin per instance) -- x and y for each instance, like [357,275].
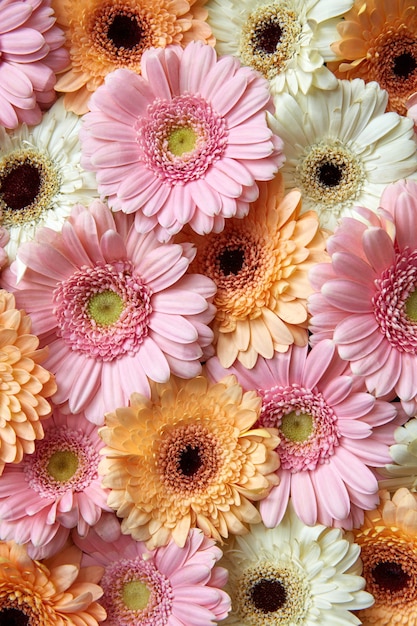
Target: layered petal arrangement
[342,148]
[260,266]
[31,52]
[331,434]
[366,298]
[114,307]
[294,574]
[186,458]
[402,471]
[185,142]
[103,35]
[169,585]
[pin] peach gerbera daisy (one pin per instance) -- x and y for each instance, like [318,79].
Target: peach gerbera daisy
[389,554]
[103,35]
[24,384]
[378,42]
[57,592]
[188,458]
[260,265]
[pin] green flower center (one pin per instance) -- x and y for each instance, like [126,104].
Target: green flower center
[106,307]
[62,465]
[135,595]
[182,140]
[411,306]
[297,427]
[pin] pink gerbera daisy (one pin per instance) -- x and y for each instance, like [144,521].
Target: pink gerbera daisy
[168,586]
[331,434]
[31,51]
[185,142]
[367,298]
[55,488]
[114,307]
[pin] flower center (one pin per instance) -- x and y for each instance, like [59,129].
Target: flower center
[135,595]
[28,184]
[390,575]
[189,461]
[269,38]
[297,427]
[231,260]
[125,31]
[411,306]
[181,138]
[62,465]
[269,595]
[13,617]
[103,311]
[404,65]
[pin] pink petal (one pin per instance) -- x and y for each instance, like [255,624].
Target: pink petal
[378,248]
[348,296]
[273,507]
[303,497]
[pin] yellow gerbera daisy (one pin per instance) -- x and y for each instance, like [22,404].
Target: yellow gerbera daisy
[57,592]
[24,384]
[103,35]
[188,457]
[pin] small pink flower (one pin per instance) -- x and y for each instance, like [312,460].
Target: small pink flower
[366,298]
[185,142]
[31,52]
[167,586]
[114,306]
[331,434]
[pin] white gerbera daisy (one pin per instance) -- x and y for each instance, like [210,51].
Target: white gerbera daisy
[40,175]
[342,148]
[294,574]
[403,471]
[288,41]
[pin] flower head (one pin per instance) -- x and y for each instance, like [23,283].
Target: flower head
[114,306]
[378,44]
[57,592]
[25,384]
[55,488]
[260,266]
[188,457]
[183,143]
[169,585]
[104,35]
[31,52]
[288,41]
[342,148]
[331,434]
[41,177]
[366,298]
[388,545]
[294,574]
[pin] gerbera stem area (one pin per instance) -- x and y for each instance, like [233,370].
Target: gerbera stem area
[182,140]
[411,306]
[390,576]
[105,307]
[269,595]
[62,465]
[135,595]
[13,617]
[297,426]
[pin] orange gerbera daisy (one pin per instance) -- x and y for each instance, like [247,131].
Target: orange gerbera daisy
[57,592]
[103,35]
[260,265]
[24,384]
[388,540]
[379,42]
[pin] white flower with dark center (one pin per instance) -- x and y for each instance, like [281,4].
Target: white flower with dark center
[288,41]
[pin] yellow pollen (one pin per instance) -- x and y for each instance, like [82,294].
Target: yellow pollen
[105,307]
[62,465]
[411,306]
[297,427]
[135,595]
[182,140]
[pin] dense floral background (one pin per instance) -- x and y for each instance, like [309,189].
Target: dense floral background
[208,312]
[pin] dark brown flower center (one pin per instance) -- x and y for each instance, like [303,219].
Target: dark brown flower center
[330,174]
[231,260]
[125,31]
[267,36]
[390,576]
[268,595]
[13,617]
[404,65]
[189,460]
[20,186]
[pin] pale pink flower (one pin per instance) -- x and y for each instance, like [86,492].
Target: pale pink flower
[366,297]
[331,434]
[55,488]
[114,306]
[185,142]
[168,586]
[31,52]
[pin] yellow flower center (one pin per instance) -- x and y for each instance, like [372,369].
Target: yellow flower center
[411,306]
[135,595]
[182,140]
[105,307]
[62,465]
[297,427]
